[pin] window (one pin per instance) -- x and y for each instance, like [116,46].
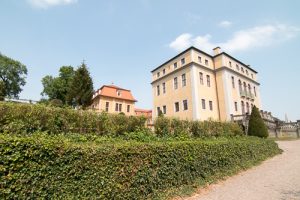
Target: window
[164,71]
[206,62]
[157,90]
[158,74]
[210,105]
[175,83]
[199,59]
[240,85]
[165,109]
[175,65]
[118,92]
[232,81]
[247,72]
[117,107]
[128,108]
[201,78]
[237,67]
[254,91]
[182,61]
[183,80]
[120,107]
[185,105]
[106,106]
[164,87]
[245,87]
[230,64]
[203,104]
[158,111]
[247,106]
[208,80]
[242,69]
[176,106]
[249,88]
[235,106]
[252,76]
[243,107]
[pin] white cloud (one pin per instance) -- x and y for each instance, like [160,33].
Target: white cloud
[49,3]
[225,24]
[259,36]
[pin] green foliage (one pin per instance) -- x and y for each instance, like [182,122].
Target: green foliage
[58,87]
[171,126]
[44,166]
[257,126]
[26,118]
[12,77]
[81,88]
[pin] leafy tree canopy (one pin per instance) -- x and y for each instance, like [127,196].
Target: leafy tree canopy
[58,87]
[257,126]
[12,77]
[81,89]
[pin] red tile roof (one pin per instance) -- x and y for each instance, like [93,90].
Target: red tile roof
[112,91]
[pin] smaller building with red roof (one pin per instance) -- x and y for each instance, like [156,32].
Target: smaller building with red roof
[113,99]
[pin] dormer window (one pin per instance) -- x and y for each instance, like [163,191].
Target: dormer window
[118,92]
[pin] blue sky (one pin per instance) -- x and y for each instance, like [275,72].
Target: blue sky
[122,41]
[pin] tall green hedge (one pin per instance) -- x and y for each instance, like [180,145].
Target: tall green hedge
[56,167]
[27,118]
[172,126]
[257,126]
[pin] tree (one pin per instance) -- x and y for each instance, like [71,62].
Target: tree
[12,77]
[58,87]
[81,88]
[257,126]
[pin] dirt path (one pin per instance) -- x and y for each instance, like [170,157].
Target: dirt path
[275,179]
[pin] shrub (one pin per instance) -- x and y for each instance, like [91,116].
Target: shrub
[43,166]
[26,118]
[171,126]
[257,126]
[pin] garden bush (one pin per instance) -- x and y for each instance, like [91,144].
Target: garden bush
[28,118]
[257,126]
[172,126]
[43,166]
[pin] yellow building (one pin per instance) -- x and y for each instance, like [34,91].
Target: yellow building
[195,85]
[113,99]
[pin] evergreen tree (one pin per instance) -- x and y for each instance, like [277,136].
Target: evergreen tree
[81,89]
[257,126]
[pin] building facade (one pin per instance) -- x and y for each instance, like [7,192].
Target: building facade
[195,85]
[113,99]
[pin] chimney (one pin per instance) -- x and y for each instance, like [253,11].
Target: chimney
[217,50]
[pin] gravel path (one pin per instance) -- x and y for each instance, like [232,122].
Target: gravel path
[275,179]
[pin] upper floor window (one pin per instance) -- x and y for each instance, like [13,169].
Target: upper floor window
[164,71]
[203,103]
[158,111]
[164,87]
[251,75]
[230,64]
[248,108]
[185,105]
[118,107]
[237,67]
[247,72]
[199,59]
[165,109]
[158,74]
[176,107]
[240,85]
[183,80]
[254,91]
[208,80]
[128,108]
[232,81]
[210,105]
[201,78]
[249,88]
[106,106]
[175,83]
[242,69]
[206,62]
[182,61]
[175,65]
[243,107]
[158,90]
[236,106]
